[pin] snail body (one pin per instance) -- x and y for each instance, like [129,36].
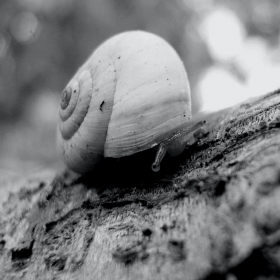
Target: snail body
[131,94]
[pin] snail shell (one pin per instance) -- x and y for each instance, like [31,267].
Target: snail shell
[127,97]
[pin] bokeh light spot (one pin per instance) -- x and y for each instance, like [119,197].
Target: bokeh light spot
[4,44]
[223,34]
[219,89]
[25,27]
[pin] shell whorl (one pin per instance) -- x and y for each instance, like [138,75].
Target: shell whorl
[74,104]
[85,111]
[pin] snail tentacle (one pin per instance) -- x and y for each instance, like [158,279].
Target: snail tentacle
[176,143]
[162,148]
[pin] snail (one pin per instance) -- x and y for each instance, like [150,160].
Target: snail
[132,94]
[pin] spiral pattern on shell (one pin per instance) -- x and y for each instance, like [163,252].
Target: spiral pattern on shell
[74,104]
[127,97]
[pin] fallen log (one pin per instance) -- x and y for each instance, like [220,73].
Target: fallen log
[211,213]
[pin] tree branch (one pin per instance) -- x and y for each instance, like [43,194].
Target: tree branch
[212,212]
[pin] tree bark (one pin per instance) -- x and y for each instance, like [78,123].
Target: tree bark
[211,213]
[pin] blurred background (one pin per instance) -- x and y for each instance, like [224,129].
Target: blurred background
[231,49]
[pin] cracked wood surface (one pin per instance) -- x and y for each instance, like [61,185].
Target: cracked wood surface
[212,213]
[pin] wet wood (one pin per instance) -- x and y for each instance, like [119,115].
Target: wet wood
[212,213]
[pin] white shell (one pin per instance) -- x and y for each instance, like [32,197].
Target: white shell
[131,93]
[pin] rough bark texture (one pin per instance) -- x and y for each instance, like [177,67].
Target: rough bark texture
[212,213]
